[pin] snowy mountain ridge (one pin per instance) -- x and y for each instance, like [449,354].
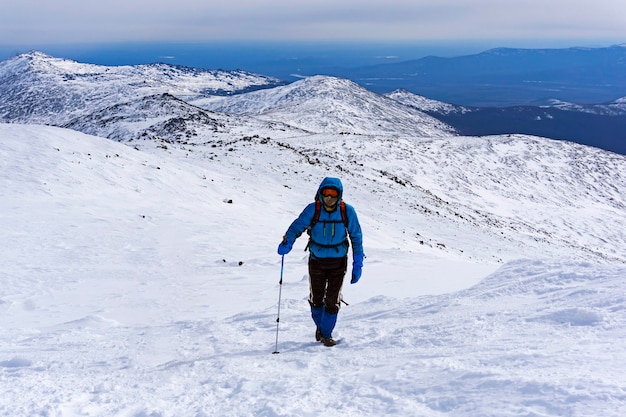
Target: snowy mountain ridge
[614,108]
[425,104]
[42,89]
[323,104]
[164,119]
[38,88]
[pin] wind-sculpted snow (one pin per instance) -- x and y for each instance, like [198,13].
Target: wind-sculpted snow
[323,104]
[145,282]
[37,88]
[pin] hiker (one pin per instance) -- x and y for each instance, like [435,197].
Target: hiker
[330,223]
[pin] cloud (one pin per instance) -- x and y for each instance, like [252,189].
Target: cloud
[29,21]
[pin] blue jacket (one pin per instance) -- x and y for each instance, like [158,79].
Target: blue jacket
[329,237]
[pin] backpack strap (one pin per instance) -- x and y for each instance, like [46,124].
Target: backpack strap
[316,215]
[344,215]
[318,210]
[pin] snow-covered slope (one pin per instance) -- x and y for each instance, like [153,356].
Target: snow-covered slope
[145,282]
[323,104]
[539,196]
[141,278]
[164,120]
[37,88]
[488,199]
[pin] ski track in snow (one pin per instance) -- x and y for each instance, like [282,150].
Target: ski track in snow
[132,286]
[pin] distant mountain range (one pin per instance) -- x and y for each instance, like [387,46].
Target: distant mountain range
[507,90]
[173,103]
[602,125]
[505,76]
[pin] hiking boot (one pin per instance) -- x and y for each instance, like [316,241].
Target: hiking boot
[328,341]
[318,335]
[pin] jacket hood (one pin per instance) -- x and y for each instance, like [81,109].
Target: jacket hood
[330,182]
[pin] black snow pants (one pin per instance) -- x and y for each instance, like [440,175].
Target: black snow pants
[325,282]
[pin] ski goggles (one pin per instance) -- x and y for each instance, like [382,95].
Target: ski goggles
[330,192]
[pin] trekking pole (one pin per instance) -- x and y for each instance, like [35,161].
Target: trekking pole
[280,291]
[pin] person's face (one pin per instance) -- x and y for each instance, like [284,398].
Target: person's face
[330,197]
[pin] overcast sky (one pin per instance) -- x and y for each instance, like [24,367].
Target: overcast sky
[31,22]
